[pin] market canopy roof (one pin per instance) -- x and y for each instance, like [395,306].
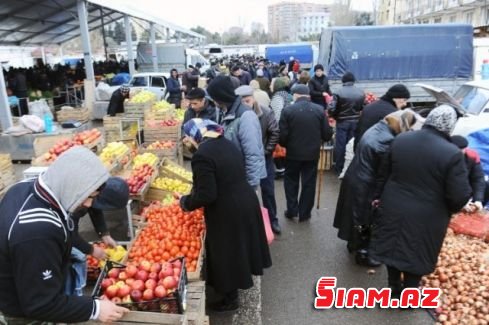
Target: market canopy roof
[46,22]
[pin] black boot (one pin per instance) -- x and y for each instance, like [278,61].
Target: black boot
[363,259]
[229,303]
[276,228]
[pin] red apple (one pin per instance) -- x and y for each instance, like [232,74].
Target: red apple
[176,271]
[160,291]
[156,268]
[145,265]
[111,291]
[169,282]
[131,271]
[136,295]
[107,283]
[177,263]
[141,275]
[153,276]
[113,273]
[123,276]
[116,300]
[150,284]
[124,291]
[130,281]
[166,270]
[148,294]
[138,285]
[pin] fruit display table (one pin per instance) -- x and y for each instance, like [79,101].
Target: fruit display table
[22,147]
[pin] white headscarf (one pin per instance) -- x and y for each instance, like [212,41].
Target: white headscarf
[442,118]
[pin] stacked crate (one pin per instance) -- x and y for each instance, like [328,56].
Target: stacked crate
[7,173]
[155,128]
[72,114]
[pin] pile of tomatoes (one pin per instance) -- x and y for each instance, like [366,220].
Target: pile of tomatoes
[170,233]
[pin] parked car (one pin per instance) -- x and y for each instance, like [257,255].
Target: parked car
[471,100]
[152,81]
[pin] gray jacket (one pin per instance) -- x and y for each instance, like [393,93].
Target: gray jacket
[242,127]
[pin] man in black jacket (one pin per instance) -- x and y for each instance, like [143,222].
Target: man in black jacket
[394,99]
[303,129]
[319,86]
[270,134]
[476,175]
[116,104]
[200,107]
[345,108]
[36,240]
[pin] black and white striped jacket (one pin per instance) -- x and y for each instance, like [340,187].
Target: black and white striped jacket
[35,246]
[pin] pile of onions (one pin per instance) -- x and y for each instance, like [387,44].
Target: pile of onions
[462,273]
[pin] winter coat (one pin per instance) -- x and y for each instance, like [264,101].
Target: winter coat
[116,103]
[279,101]
[173,87]
[347,103]
[303,129]
[356,192]
[269,128]
[35,249]
[245,78]
[476,174]
[242,127]
[264,84]
[318,86]
[427,182]
[371,114]
[236,245]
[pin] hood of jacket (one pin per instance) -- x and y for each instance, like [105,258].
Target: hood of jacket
[75,175]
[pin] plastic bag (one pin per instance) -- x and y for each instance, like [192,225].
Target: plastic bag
[268,227]
[103,92]
[39,108]
[475,224]
[32,122]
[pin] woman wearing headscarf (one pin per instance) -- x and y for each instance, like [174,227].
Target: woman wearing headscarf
[280,99]
[426,183]
[236,244]
[353,209]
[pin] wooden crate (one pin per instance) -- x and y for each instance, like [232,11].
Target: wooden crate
[7,173]
[326,157]
[168,173]
[195,311]
[136,110]
[43,144]
[161,153]
[76,114]
[155,194]
[147,318]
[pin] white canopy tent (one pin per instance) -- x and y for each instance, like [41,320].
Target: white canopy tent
[48,22]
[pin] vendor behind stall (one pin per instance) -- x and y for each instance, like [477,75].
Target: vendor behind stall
[116,104]
[113,196]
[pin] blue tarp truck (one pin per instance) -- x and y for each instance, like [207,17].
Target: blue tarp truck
[380,56]
[302,52]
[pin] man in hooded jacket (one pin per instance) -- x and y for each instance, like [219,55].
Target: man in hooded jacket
[241,126]
[36,241]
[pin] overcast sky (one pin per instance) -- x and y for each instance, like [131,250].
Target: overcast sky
[218,15]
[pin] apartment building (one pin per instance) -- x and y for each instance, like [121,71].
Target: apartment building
[313,23]
[284,18]
[475,12]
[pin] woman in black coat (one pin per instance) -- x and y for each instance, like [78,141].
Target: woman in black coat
[354,205]
[236,243]
[427,182]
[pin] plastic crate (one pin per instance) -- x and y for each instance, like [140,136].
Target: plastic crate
[174,303]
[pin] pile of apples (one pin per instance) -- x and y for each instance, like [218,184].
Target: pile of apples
[157,123]
[143,96]
[171,185]
[170,233]
[139,177]
[141,282]
[87,137]
[162,106]
[146,158]
[56,150]
[164,144]
[112,152]
[180,171]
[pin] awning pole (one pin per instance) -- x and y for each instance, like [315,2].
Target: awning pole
[130,55]
[5,115]
[87,52]
[154,53]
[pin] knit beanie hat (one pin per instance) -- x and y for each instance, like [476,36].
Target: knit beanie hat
[398,91]
[280,83]
[318,67]
[221,89]
[442,118]
[348,77]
